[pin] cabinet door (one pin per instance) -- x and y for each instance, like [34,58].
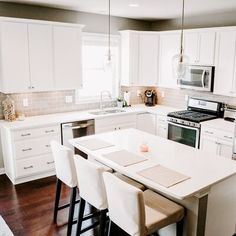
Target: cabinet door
[169,47]
[209,145]
[162,130]
[67,57]
[146,122]
[206,51]
[225,149]
[148,59]
[225,64]
[14,57]
[191,46]
[41,56]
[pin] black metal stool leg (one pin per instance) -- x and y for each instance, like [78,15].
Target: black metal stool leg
[57,199]
[102,223]
[71,210]
[180,228]
[109,228]
[80,216]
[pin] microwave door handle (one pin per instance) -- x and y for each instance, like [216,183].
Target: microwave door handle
[203,78]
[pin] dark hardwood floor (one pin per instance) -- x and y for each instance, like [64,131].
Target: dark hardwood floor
[28,208]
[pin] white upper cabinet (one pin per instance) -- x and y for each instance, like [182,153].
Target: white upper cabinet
[139,58]
[67,56]
[15,72]
[199,46]
[41,57]
[169,47]
[225,81]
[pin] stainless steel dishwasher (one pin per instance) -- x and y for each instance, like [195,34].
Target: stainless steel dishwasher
[76,129]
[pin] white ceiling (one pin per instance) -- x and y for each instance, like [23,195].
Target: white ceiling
[148,9]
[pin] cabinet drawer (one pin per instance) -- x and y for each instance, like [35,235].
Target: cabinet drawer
[34,147]
[34,165]
[209,131]
[228,136]
[32,133]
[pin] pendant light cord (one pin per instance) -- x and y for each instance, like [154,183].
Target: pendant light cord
[109,30]
[182,32]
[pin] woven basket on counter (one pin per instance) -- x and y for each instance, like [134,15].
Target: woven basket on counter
[9,109]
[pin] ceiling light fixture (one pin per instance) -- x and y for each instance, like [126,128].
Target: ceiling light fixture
[133,5]
[180,61]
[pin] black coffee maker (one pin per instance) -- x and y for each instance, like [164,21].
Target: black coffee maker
[150,98]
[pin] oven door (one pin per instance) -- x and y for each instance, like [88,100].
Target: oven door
[183,134]
[198,78]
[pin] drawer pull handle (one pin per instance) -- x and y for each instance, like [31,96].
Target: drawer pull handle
[50,162]
[49,131]
[28,167]
[24,135]
[228,137]
[208,132]
[47,145]
[27,149]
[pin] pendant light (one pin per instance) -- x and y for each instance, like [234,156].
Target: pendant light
[108,59]
[180,61]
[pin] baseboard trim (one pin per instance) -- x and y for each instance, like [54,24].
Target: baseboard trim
[2,171]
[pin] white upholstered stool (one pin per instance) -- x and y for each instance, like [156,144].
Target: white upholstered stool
[140,213]
[66,173]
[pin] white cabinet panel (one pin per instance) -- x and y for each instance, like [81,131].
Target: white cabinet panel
[146,122]
[209,145]
[67,56]
[41,56]
[161,126]
[14,57]
[169,47]
[225,64]
[148,59]
[226,150]
[191,46]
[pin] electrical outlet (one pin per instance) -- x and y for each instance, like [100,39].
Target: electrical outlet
[162,94]
[68,99]
[139,93]
[25,102]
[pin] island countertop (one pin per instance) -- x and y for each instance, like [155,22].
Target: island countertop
[203,169]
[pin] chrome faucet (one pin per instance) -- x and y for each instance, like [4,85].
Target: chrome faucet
[101,97]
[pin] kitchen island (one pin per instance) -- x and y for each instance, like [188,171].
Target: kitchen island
[208,194]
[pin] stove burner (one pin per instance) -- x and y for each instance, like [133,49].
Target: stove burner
[193,116]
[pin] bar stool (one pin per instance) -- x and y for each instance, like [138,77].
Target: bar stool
[66,173]
[140,213]
[92,189]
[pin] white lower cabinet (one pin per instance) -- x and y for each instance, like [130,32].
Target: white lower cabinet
[218,142]
[115,123]
[27,153]
[161,126]
[146,122]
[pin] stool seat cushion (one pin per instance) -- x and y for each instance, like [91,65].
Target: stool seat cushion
[160,211]
[130,181]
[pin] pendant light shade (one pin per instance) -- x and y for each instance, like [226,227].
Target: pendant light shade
[180,61]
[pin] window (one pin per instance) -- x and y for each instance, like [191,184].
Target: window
[96,76]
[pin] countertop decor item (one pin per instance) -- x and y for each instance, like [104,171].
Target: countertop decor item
[120,102]
[9,109]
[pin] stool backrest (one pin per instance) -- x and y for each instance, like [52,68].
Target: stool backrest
[125,205]
[90,181]
[64,164]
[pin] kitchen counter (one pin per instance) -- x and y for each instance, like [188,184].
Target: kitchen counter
[53,119]
[219,124]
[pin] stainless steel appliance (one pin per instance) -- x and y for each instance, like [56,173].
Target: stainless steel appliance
[150,97]
[198,78]
[184,126]
[76,129]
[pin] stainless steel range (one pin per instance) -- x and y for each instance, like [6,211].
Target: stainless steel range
[184,126]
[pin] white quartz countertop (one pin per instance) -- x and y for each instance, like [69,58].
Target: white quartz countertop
[203,169]
[219,124]
[53,119]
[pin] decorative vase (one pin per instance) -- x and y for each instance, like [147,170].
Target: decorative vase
[9,109]
[120,104]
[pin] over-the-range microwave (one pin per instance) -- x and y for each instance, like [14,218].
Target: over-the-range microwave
[198,78]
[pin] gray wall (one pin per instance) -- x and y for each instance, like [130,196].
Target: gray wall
[202,21]
[93,22]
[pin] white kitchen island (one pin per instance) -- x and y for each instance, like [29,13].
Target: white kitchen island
[209,195]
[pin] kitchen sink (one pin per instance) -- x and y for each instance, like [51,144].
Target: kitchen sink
[106,112]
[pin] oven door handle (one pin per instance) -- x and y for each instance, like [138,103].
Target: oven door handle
[203,78]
